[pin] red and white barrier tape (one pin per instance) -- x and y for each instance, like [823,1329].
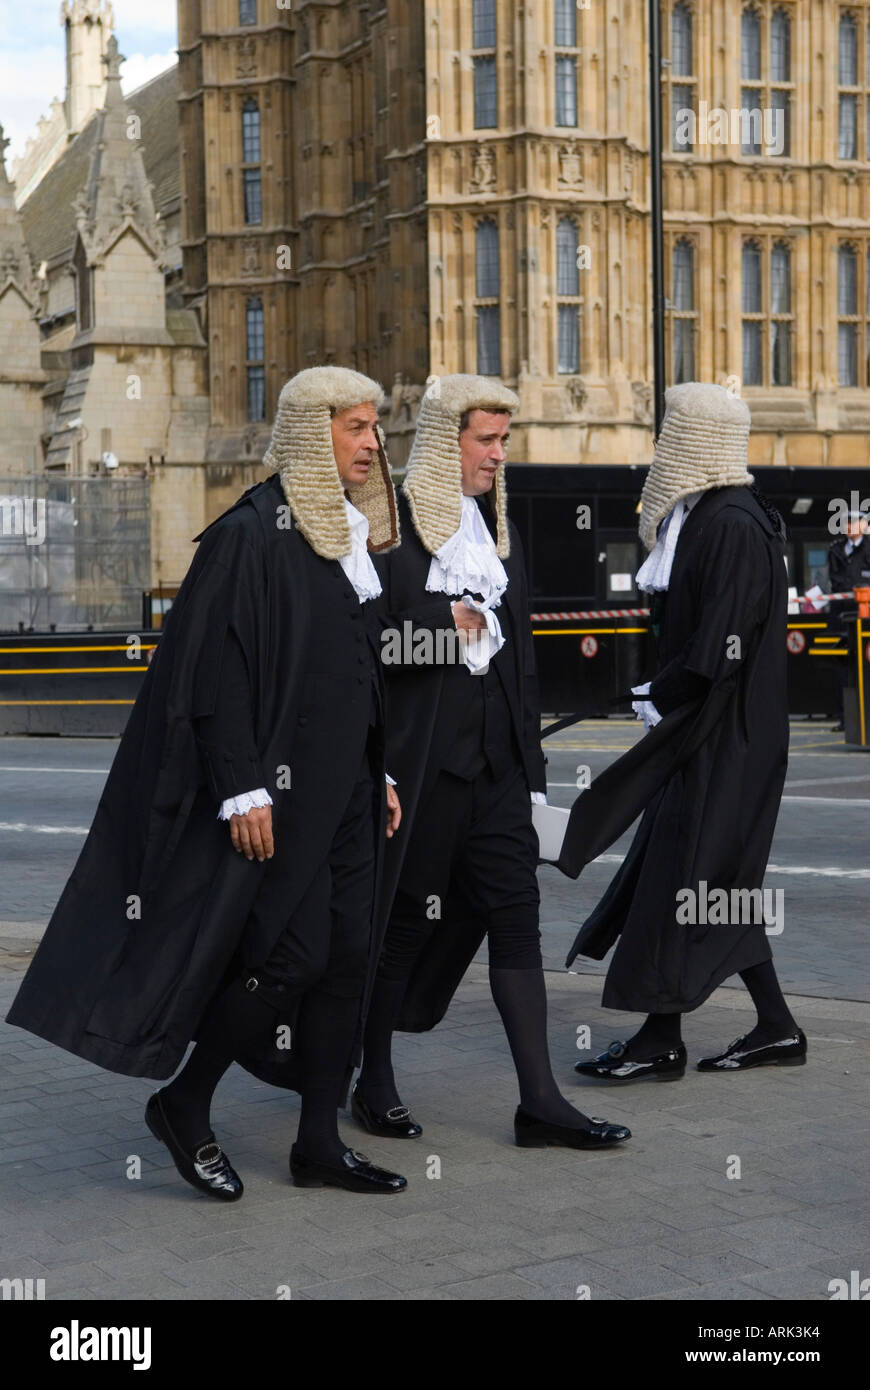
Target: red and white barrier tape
[644,612]
[596,613]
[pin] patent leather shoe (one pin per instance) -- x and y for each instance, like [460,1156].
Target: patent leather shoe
[353,1172]
[613,1065]
[537,1134]
[392,1124]
[787,1052]
[207,1169]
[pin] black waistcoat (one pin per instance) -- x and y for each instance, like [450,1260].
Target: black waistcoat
[475,716]
[342,641]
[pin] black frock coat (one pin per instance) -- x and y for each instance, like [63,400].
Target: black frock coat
[155,911]
[708,778]
[416,735]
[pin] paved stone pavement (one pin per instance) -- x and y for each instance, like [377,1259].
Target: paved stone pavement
[660,1219]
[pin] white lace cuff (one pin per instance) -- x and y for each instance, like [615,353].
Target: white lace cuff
[645,709]
[241,805]
[479,647]
[538,798]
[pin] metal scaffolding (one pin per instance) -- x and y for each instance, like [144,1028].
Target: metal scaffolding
[74,553]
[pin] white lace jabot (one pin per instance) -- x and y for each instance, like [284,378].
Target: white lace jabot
[468,562]
[654,575]
[357,564]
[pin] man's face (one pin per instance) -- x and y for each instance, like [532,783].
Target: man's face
[482,447]
[354,443]
[856,527]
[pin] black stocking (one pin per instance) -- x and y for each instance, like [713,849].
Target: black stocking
[235,1019]
[775,1020]
[324,1036]
[659,1033]
[377,1083]
[521,999]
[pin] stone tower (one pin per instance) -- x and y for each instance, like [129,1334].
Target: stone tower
[21,374]
[88,24]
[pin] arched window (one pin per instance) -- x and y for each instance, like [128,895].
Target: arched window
[566,63]
[780,315]
[850,94]
[567,288]
[487,260]
[483,23]
[250,133]
[750,45]
[753,316]
[485,69]
[255,353]
[683,311]
[780,47]
[566,24]
[487,284]
[682,92]
[566,90]
[751,292]
[847,310]
[251,173]
[567,272]
[848,51]
[681,41]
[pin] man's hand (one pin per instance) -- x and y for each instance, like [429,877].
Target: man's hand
[467,619]
[252,834]
[394,812]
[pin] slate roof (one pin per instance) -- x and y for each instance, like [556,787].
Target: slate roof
[48,215]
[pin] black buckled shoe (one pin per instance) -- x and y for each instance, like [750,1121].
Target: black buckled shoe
[393,1124]
[537,1134]
[207,1169]
[612,1066]
[787,1052]
[355,1173]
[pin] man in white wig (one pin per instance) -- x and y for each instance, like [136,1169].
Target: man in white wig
[686,907]
[463,730]
[245,812]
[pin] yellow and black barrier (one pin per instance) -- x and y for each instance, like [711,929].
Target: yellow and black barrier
[856,696]
[82,683]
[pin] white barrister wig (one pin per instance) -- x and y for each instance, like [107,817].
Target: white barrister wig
[433,484]
[300,450]
[703,444]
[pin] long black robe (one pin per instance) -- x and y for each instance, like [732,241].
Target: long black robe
[708,778]
[414,733]
[128,991]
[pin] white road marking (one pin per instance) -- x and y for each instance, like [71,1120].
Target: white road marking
[45,829]
[814,800]
[817,781]
[771,868]
[94,771]
[831,800]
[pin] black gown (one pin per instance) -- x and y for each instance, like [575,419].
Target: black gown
[126,987]
[418,726]
[708,778]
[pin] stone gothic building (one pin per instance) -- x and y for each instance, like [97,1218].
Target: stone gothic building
[415,187]
[419,187]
